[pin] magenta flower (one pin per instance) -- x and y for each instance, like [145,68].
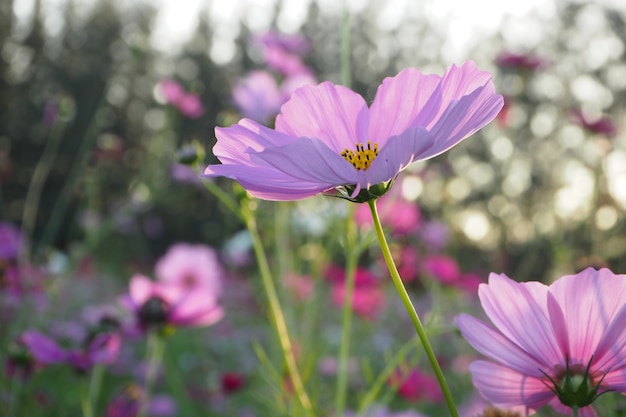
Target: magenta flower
[257,96]
[562,344]
[400,215]
[159,304]
[10,238]
[188,104]
[602,125]
[416,385]
[192,267]
[522,61]
[326,138]
[103,348]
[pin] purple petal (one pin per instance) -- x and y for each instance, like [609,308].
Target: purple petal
[590,301]
[519,311]
[496,346]
[43,348]
[267,183]
[505,388]
[396,155]
[331,113]
[310,160]
[400,104]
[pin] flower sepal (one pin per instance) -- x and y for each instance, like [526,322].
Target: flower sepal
[365,194]
[575,390]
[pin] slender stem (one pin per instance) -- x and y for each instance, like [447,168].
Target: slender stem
[574,411]
[95,382]
[14,396]
[276,312]
[406,300]
[85,402]
[154,352]
[344,349]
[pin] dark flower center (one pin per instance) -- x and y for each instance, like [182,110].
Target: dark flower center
[362,158]
[153,312]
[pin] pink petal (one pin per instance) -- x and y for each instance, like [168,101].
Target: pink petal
[519,311]
[611,351]
[494,345]
[43,348]
[505,388]
[395,156]
[401,104]
[616,380]
[331,113]
[141,288]
[590,301]
[310,160]
[195,308]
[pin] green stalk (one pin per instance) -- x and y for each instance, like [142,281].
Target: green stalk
[406,300]
[85,401]
[352,255]
[155,347]
[95,382]
[276,312]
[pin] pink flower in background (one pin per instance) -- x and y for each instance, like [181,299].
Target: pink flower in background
[257,96]
[327,138]
[520,61]
[10,238]
[401,216]
[601,125]
[282,52]
[159,304]
[295,43]
[435,235]
[191,267]
[442,268]
[188,104]
[101,349]
[302,286]
[562,344]
[128,402]
[368,299]
[416,385]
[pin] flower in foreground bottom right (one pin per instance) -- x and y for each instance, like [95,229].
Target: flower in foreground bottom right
[562,344]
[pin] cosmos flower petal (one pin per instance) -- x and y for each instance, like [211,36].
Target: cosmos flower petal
[491,343]
[519,311]
[396,155]
[590,300]
[267,182]
[505,387]
[332,113]
[196,308]
[616,380]
[235,143]
[140,288]
[310,159]
[43,348]
[611,350]
[400,104]
[463,118]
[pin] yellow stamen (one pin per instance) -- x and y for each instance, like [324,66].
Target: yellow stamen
[363,157]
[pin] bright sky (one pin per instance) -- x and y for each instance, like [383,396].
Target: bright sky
[466,22]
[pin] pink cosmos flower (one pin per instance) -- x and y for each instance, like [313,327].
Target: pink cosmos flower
[103,348]
[522,61]
[562,344]
[257,96]
[158,304]
[188,104]
[416,385]
[400,215]
[326,138]
[368,298]
[442,268]
[191,267]
[601,125]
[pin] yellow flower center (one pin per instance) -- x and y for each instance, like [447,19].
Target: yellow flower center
[363,157]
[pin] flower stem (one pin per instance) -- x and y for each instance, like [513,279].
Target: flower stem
[276,312]
[154,353]
[344,349]
[85,401]
[95,382]
[406,300]
[14,396]
[574,411]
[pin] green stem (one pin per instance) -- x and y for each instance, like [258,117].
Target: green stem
[154,353]
[406,300]
[352,255]
[14,396]
[85,402]
[276,312]
[574,411]
[95,382]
